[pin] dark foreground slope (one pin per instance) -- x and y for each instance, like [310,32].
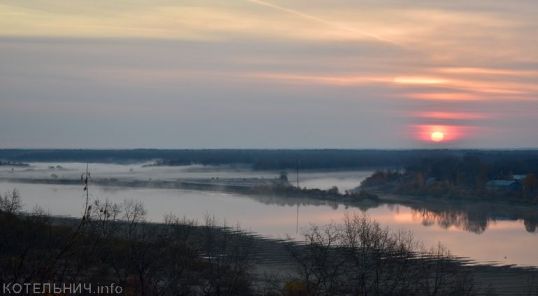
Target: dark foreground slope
[113,244]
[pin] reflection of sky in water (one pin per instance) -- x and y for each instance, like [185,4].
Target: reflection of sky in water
[276,217]
[466,232]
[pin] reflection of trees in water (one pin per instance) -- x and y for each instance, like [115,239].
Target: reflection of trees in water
[469,217]
[294,201]
[446,219]
[530,225]
[473,218]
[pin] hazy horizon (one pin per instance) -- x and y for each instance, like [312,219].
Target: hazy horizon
[432,148]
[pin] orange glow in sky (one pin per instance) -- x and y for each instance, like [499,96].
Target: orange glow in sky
[447,96]
[287,74]
[439,133]
[451,115]
[419,80]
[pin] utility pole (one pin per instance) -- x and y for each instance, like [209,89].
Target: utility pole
[85,177]
[297,222]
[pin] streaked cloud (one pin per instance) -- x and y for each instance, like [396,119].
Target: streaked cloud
[451,115]
[488,72]
[334,80]
[338,73]
[417,80]
[444,96]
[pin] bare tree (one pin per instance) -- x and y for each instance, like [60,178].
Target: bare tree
[360,257]
[10,202]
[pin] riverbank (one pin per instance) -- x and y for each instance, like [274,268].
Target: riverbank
[263,266]
[246,186]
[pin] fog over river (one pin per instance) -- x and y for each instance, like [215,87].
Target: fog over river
[504,238]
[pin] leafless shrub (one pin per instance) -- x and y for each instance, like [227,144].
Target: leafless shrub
[10,202]
[360,257]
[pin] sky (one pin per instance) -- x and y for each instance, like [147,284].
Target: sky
[268,74]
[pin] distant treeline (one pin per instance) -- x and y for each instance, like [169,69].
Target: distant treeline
[482,175]
[265,159]
[12,163]
[476,168]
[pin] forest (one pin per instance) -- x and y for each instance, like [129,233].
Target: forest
[471,176]
[278,159]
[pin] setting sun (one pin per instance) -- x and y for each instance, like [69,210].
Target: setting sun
[440,133]
[437,136]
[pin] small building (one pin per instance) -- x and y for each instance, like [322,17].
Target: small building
[508,185]
[519,177]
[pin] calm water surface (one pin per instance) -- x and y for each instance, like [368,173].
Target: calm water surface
[507,240]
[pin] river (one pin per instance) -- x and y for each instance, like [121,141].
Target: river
[483,237]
